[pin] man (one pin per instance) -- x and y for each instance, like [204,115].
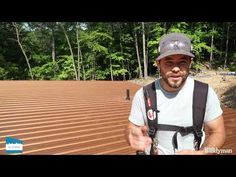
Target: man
[174,93]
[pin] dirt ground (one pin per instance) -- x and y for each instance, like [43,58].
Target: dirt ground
[224,85]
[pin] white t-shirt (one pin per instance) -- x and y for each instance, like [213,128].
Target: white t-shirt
[175,109]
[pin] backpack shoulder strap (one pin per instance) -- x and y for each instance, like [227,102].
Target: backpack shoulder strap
[151,113]
[199,107]
[151,107]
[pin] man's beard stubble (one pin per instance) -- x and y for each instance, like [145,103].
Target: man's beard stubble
[174,84]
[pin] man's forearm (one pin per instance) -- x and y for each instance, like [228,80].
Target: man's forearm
[216,136]
[214,140]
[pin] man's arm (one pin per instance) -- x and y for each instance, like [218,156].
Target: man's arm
[137,137]
[215,139]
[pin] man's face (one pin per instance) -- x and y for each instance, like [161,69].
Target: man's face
[174,70]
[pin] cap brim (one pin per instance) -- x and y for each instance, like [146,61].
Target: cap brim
[175,52]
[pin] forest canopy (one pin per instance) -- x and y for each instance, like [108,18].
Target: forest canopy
[105,50]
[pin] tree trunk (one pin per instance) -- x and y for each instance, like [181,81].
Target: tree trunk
[22,49]
[53,47]
[129,71]
[53,52]
[82,64]
[111,70]
[83,73]
[137,53]
[121,49]
[144,52]
[227,44]
[212,43]
[222,42]
[94,69]
[71,52]
[78,50]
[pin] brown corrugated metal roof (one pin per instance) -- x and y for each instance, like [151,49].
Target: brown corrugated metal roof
[65,117]
[72,117]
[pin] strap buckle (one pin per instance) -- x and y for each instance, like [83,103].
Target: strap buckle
[151,132]
[183,131]
[198,133]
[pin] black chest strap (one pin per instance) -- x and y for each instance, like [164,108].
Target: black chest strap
[177,129]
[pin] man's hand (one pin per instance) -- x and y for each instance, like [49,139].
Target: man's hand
[137,137]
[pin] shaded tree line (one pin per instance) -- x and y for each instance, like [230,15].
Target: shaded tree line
[105,50]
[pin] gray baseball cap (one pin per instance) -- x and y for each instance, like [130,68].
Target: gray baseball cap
[174,43]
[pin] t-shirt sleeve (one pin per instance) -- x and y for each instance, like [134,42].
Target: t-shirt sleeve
[213,108]
[137,112]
